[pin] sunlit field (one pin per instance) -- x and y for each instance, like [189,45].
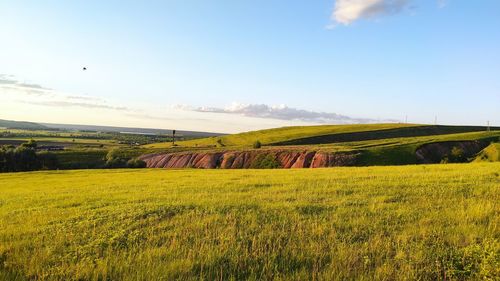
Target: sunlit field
[376,223]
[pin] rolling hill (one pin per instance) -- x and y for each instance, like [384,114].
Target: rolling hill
[9,124]
[278,135]
[327,146]
[324,134]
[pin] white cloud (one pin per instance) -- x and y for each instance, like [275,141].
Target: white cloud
[348,11]
[30,93]
[10,82]
[280,112]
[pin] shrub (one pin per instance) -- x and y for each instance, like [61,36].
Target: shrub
[116,163]
[257,144]
[219,143]
[265,161]
[114,159]
[136,163]
[457,155]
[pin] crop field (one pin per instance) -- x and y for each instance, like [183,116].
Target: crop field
[427,222]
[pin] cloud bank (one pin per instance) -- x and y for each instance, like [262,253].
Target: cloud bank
[39,95]
[78,104]
[281,112]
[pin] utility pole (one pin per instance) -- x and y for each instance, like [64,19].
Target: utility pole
[406,119]
[488,126]
[435,120]
[173,137]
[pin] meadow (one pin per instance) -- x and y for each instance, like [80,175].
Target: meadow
[275,135]
[325,134]
[426,222]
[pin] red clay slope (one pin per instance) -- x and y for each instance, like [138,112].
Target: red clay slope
[246,159]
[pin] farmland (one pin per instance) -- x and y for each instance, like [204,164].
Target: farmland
[422,222]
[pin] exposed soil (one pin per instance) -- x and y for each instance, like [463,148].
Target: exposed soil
[437,152]
[245,159]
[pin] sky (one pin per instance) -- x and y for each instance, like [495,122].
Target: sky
[232,66]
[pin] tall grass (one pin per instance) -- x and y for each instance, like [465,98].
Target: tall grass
[375,223]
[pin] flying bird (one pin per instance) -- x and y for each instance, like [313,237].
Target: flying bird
[84,68]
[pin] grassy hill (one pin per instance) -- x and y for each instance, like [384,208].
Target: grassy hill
[375,223]
[8,124]
[323,135]
[489,154]
[270,136]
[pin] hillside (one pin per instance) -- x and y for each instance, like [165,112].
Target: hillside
[489,154]
[392,151]
[324,134]
[283,134]
[9,124]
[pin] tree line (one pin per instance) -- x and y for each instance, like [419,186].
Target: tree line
[25,157]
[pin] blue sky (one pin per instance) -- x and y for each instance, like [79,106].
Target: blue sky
[232,66]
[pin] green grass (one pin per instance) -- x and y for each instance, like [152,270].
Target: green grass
[281,134]
[489,154]
[429,222]
[325,134]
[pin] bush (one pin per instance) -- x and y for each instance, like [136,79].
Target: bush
[136,163]
[114,163]
[457,155]
[219,143]
[265,161]
[119,159]
[114,159]
[257,144]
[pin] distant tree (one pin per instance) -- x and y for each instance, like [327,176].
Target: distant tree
[115,159]
[25,159]
[257,144]
[30,144]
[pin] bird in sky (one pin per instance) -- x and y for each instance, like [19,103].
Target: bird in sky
[84,68]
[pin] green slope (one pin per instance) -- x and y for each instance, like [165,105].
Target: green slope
[277,135]
[326,134]
[489,154]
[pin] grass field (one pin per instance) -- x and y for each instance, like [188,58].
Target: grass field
[325,134]
[489,154]
[281,134]
[428,222]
